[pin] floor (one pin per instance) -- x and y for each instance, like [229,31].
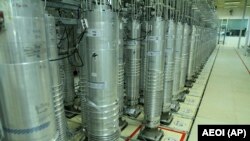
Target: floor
[227,96]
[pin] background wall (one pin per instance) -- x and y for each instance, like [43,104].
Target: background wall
[236,14]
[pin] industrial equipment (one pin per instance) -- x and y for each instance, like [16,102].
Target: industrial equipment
[26,105]
[126,51]
[185,47]
[120,71]
[154,74]
[101,108]
[132,59]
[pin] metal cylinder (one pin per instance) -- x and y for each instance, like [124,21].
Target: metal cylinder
[169,65]
[132,60]
[177,64]
[143,50]
[120,82]
[26,105]
[83,81]
[154,81]
[184,56]
[102,109]
[191,54]
[57,91]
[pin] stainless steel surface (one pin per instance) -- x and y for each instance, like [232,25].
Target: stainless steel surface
[169,65]
[83,81]
[120,59]
[102,109]
[177,65]
[184,56]
[155,66]
[56,80]
[132,68]
[26,104]
[191,54]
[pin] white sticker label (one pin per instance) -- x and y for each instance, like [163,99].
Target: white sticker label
[97,85]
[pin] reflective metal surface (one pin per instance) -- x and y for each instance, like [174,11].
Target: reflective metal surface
[102,109]
[177,68]
[169,66]
[26,105]
[155,66]
[184,56]
[132,68]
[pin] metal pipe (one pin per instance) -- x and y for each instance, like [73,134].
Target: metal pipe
[169,66]
[26,105]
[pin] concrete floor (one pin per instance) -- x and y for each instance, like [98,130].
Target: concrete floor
[227,96]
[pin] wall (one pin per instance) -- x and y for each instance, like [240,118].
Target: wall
[237,14]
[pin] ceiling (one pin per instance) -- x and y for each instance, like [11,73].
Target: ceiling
[231,3]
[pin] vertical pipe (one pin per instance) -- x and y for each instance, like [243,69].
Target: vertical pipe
[26,105]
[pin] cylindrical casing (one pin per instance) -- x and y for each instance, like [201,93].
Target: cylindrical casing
[169,65]
[26,105]
[143,50]
[191,54]
[102,107]
[155,66]
[177,65]
[57,91]
[132,60]
[83,80]
[185,54]
[120,71]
